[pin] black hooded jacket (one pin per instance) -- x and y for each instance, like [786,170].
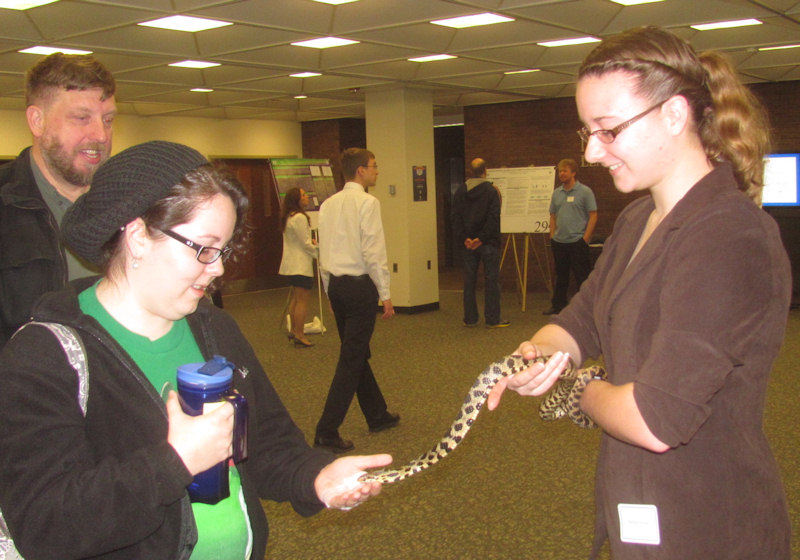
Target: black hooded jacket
[108,485]
[476,212]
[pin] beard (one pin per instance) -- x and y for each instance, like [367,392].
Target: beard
[61,162]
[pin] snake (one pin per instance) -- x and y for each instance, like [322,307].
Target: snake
[553,407]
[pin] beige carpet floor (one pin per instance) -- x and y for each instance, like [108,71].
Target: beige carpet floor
[516,488]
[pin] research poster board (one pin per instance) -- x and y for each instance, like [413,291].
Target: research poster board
[526,193]
[314,176]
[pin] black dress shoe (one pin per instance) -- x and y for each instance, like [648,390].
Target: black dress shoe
[390,421]
[337,444]
[551,311]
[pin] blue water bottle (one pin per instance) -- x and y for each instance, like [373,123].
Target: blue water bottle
[202,386]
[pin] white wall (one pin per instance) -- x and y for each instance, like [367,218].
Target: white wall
[400,134]
[211,137]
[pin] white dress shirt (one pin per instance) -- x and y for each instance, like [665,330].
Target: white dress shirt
[351,241]
[298,250]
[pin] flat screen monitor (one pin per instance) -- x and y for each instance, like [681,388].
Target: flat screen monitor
[781,187]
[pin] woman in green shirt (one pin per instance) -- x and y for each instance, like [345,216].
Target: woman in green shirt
[159,222]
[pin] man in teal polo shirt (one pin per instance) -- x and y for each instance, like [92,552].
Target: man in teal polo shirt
[573,216]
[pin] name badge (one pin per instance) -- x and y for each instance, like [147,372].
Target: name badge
[638,524]
[570,199]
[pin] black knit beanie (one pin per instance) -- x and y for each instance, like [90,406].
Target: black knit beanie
[124,188]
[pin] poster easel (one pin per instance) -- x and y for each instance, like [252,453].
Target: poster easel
[543,262]
[525,209]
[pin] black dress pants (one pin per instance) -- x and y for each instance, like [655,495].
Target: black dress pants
[569,257]
[354,300]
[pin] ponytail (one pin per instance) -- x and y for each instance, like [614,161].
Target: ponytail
[736,129]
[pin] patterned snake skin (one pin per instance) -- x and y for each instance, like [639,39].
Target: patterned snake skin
[553,407]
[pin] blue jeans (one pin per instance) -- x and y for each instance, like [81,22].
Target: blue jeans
[490,255]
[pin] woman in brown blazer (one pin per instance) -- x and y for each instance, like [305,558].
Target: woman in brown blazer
[687,306]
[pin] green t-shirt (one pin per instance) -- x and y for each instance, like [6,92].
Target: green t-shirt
[223,528]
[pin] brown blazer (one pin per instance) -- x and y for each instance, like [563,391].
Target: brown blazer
[695,321]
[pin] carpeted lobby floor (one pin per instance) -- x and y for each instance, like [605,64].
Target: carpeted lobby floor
[515,488]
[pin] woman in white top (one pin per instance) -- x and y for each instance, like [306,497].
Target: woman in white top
[299,251]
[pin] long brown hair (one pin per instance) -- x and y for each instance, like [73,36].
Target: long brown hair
[730,122]
[291,206]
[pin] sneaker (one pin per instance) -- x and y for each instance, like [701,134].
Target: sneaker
[499,325]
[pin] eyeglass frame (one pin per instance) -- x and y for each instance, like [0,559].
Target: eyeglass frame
[224,252]
[585,135]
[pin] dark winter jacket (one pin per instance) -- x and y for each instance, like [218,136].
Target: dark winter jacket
[476,213]
[32,260]
[109,485]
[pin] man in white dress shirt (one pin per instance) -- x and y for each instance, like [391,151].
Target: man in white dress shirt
[355,274]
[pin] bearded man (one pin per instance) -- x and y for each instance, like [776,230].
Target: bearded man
[70,111]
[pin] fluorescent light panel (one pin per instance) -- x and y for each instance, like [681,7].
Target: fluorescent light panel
[50,50]
[335,2]
[185,23]
[725,24]
[194,64]
[24,4]
[431,58]
[325,43]
[635,2]
[475,20]
[521,71]
[301,96]
[779,47]
[305,75]
[568,42]
[201,90]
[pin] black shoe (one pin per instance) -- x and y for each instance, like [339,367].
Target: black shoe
[551,311]
[390,421]
[499,325]
[337,444]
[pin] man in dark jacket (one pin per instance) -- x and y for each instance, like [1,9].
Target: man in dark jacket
[476,224]
[70,108]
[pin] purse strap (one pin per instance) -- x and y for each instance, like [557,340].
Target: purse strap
[76,355]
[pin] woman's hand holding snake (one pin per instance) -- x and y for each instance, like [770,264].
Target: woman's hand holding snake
[535,380]
[338,485]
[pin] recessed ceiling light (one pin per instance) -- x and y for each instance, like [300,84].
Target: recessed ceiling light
[522,71]
[24,4]
[305,75]
[185,23]
[194,64]
[324,42]
[50,50]
[431,58]
[725,24]
[567,42]
[335,2]
[472,21]
[635,2]
[201,90]
[778,48]
[302,96]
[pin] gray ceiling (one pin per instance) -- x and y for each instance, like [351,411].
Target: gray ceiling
[256,55]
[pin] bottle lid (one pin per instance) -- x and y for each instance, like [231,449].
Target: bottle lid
[215,373]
